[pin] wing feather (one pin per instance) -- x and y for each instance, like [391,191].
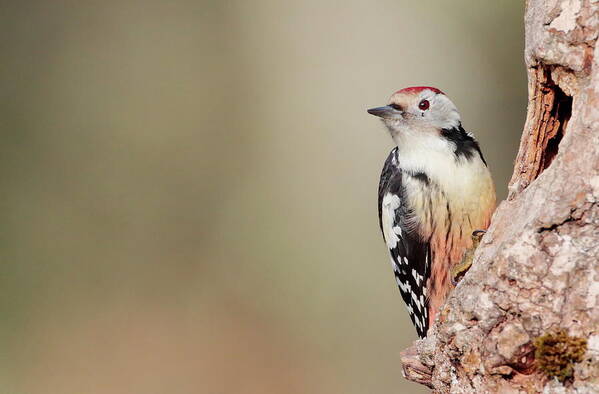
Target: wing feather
[410,255]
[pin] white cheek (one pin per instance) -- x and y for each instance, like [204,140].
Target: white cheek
[394,124]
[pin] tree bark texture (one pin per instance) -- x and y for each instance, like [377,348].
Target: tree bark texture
[536,271]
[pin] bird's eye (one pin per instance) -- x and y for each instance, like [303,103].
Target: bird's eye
[395,106]
[424,104]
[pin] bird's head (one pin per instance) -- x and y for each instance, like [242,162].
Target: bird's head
[420,109]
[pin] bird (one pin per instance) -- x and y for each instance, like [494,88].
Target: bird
[435,192]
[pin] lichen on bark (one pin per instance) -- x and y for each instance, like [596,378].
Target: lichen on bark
[557,353]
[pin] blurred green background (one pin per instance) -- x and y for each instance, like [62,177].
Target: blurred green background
[189,187]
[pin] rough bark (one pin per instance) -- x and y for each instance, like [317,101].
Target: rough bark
[537,269]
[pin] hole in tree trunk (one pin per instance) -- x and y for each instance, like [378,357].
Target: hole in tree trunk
[558,118]
[549,111]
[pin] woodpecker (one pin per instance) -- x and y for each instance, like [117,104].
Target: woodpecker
[435,190]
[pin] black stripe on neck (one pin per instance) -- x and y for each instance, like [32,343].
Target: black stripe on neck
[465,145]
[420,176]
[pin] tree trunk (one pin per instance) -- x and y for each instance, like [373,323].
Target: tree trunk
[525,318]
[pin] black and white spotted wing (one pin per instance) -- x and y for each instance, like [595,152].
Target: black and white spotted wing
[410,256]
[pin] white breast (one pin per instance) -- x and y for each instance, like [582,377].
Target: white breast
[461,180]
[461,189]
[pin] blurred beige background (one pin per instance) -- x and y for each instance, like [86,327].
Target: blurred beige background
[189,187]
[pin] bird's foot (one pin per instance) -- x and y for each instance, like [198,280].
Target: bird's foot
[458,270]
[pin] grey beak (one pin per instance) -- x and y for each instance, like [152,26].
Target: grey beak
[384,112]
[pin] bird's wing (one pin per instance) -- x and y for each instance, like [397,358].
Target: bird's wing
[410,255]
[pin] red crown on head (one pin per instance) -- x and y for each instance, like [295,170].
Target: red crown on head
[418,89]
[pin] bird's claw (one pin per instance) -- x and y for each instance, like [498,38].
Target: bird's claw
[458,270]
